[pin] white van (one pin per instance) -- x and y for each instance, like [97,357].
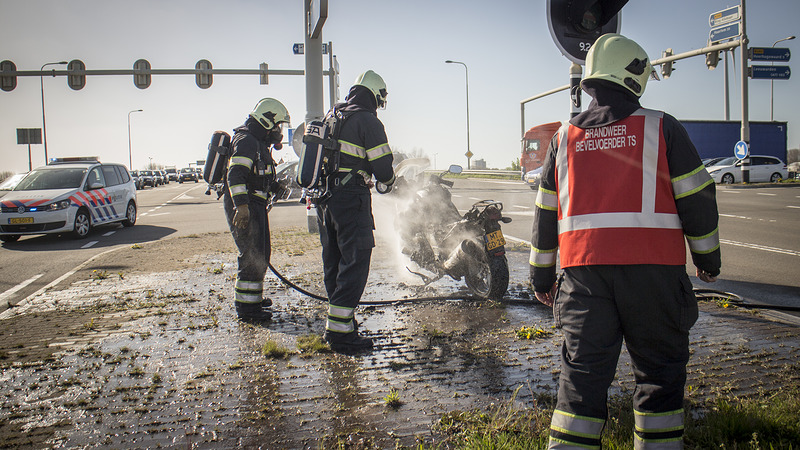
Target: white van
[69,195]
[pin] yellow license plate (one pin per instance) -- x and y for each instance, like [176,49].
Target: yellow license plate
[20,220]
[495,239]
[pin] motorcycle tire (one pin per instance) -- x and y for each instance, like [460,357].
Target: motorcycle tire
[491,281]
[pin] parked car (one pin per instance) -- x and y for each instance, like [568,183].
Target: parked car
[9,183]
[69,195]
[187,174]
[763,168]
[533,177]
[136,180]
[148,179]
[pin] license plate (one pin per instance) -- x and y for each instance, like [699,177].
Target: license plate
[20,220]
[495,239]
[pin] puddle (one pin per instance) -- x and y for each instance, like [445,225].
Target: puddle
[158,360]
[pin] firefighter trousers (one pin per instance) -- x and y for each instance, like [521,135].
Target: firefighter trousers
[254,250]
[651,308]
[346,232]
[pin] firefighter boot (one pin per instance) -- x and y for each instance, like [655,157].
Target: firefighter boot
[266,302]
[252,313]
[350,342]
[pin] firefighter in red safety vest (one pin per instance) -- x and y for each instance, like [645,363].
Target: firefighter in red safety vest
[621,187]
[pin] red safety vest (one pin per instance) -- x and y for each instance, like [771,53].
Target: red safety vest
[615,197]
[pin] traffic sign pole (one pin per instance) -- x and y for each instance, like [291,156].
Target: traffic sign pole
[745,133]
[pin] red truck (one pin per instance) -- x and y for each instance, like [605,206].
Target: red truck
[534,148]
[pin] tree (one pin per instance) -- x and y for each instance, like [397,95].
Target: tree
[515,165]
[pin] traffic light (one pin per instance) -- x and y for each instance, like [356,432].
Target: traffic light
[8,82]
[576,24]
[76,81]
[141,74]
[712,59]
[666,68]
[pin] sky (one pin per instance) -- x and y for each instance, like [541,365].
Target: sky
[505,44]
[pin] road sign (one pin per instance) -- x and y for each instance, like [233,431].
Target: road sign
[741,150]
[29,135]
[724,32]
[469,154]
[770,54]
[729,15]
[300,49]
[770,72]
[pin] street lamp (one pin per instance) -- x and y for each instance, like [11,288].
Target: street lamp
[771,81]
[130,154]
[41,84]
[466,73]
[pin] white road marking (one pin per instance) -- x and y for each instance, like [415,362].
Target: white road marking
[766,193]
[89,244]
[19,287]
[792,206]
[761,247]
[8,312]
[516,239]
[109,233]
[521,206]
[160,214]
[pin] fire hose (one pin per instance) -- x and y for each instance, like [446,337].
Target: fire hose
[701,294]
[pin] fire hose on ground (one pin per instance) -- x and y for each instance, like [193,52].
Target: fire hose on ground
[701,294]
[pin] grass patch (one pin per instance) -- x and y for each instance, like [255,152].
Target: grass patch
[272,349]
[764,422]
[312,344]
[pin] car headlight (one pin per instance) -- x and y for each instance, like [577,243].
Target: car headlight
[57,206]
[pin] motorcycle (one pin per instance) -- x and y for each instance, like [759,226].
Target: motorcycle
[439,239]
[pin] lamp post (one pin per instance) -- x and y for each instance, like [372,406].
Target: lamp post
[466,73]
[130,154]
[41,84]
[771,81]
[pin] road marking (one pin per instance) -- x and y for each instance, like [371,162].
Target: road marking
[7,313]
[475,198]
[19,287]
[748,218]
[765,193]
[516,239]
[515,183]
[519,213]
[89,244]
[792,206]
[521,206]
[109,233]
[761,247]
[160,214]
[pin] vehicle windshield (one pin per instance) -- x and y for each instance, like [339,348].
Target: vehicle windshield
[726,162]
[60,178]
[187,170]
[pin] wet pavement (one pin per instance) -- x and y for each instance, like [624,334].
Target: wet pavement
[149,360]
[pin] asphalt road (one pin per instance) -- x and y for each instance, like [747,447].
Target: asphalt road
[759,227]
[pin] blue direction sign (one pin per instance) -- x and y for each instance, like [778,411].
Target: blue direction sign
[725,16]
[724,32]
[770,72]
[770,54]
[298,49]
[740,150]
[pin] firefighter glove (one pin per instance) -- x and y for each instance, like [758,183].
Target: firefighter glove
[241,218]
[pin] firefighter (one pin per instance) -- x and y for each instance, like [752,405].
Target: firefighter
[251,172]
[345,217]
[621,187]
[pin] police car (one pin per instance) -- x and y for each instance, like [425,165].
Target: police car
[69,195]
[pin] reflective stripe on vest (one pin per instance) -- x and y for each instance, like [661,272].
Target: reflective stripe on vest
[658,430]
[625,211]
[571,431]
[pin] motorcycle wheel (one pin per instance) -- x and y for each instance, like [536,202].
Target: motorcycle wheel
[491,280]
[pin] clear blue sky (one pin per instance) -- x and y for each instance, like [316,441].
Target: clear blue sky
[505,43]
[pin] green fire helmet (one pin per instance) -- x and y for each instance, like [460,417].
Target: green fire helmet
[615,58]
[269,113]
[374,83]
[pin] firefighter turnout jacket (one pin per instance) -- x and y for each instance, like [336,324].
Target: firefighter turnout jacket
[364,147]
[642,189]
[251,169]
